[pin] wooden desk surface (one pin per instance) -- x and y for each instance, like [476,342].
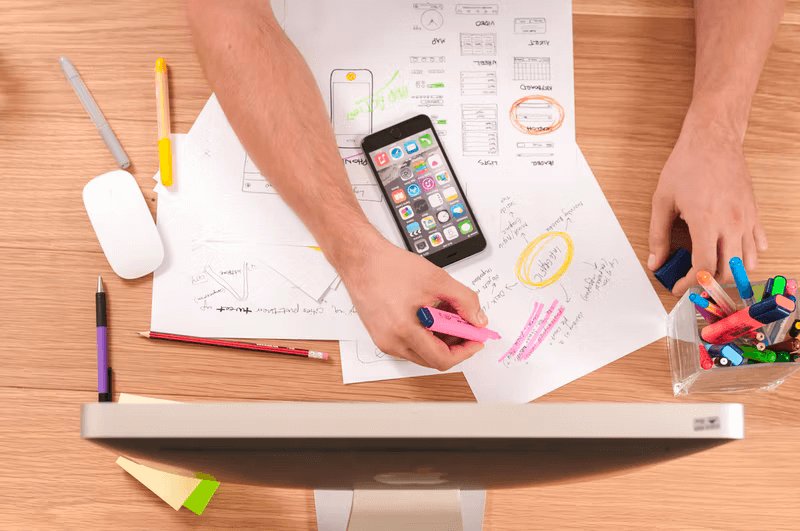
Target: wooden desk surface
[633,75]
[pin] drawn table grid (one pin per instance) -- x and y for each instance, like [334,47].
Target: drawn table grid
[531,69]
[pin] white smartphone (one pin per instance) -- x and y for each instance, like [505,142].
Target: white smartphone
[351,106]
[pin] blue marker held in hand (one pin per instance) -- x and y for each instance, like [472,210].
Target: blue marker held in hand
[742,282]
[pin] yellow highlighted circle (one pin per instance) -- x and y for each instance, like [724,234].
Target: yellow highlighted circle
[528,257]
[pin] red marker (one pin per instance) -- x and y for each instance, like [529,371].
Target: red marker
[705,360]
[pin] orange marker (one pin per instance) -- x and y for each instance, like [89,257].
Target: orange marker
[715,290]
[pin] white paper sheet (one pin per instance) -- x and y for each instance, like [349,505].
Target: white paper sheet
[496,78]
[362,361]
[565,290]
[200,290]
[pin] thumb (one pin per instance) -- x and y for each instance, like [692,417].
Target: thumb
[463,300]
[661,218]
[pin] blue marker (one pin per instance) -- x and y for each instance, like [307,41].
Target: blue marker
[731,352]
[698,300]
[742,282]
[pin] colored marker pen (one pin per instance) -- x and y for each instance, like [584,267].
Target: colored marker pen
[742,282]
[705,360]
[744,321]
[705,304]
[453,325]
[765,356]
[715,290]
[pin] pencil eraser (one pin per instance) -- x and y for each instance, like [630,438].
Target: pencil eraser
[675,268]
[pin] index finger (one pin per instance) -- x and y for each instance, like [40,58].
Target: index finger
[436,353]
[704,256]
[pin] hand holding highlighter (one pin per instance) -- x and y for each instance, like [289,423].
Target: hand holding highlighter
[453,325]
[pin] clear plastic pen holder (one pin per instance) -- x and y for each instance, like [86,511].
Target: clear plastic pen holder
[683,341]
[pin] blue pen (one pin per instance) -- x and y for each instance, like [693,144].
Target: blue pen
[742,282]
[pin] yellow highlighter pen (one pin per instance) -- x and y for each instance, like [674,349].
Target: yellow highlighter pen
[162,101]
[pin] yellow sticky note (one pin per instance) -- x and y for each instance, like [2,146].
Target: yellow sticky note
[171,488]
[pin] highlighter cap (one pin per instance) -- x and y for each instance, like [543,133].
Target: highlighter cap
[740,277]
[674,269]
[425,317]
[772,309]
[698,300]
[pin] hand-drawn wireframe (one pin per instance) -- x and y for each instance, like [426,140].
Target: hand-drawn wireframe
[478,43]
[535,149]
[477,9]
[532,69]
[536,115]
[555,251]
[429,100]
[431,20]
[479,129]
[351,106]
[529,26]
[427,59]
[375,355]
[478,83]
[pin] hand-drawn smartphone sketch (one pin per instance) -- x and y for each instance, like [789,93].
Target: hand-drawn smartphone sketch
[351,106]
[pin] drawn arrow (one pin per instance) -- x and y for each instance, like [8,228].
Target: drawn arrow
[566,295]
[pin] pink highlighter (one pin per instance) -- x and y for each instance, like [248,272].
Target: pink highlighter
[453,325]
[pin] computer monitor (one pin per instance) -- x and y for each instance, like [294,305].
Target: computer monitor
[408,446]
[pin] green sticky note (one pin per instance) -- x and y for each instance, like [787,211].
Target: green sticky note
[199,498]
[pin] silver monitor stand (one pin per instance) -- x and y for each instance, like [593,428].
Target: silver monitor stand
[399,510]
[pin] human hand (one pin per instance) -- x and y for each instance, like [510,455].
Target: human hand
[388,285]
[706,182]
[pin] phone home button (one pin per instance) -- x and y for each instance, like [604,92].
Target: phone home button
[396,133]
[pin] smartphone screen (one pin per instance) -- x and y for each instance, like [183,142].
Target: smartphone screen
[421,188]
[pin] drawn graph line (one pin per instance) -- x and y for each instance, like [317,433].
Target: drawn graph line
[547,273]
[227,287]
[536,115]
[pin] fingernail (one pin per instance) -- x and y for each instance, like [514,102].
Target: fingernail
[482,319]
[651,261]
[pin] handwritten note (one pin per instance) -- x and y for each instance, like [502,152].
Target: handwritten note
[565,291]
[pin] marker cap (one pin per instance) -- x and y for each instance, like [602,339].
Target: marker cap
[740,277]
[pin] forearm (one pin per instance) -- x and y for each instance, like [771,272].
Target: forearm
[272,102]
[733,38]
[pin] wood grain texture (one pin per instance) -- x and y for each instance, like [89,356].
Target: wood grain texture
[633,76]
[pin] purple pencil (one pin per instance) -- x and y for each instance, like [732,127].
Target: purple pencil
[103,370]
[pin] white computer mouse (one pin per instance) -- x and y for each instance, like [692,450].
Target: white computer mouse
[123,224]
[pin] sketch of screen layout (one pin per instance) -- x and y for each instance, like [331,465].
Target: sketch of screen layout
[536,114]
[351,106]
[254,182]
[535,149]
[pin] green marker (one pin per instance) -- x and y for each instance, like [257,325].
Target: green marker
[783,357]
[765,356]
[778,285]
